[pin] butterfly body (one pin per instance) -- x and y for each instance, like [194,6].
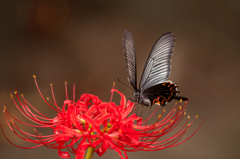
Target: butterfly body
[142,99]
[153,88]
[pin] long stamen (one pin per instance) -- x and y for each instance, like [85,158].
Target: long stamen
[55,103]
[112,92]
[66,90]
[74,93]
[41,93]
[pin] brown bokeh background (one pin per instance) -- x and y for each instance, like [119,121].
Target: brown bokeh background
[80,42]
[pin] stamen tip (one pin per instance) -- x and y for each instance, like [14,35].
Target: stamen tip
[180,107]
[47,98]
[196,116]
[51,84]
[180,100]
[34,76]
[159,116]
[22,95]
[188,117]
[11,95]
[164,110]
[4,108]
[15,92]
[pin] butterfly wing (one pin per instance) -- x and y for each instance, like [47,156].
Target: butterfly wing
[130,57]
[157,68]
[163,93]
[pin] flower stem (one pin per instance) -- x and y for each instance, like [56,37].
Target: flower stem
[90,152]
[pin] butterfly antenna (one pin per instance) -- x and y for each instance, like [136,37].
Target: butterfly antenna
[125,84]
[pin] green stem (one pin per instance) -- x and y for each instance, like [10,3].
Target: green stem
[90,152]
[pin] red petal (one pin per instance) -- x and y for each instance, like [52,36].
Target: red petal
[63,154]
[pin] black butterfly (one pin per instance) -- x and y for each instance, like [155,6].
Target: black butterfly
[153,88]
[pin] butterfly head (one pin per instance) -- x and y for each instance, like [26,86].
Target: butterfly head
[136,95]
[139,98]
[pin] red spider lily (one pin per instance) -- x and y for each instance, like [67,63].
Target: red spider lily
[91,123]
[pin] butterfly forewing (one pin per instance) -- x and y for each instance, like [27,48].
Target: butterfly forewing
[130,57]
[158,65]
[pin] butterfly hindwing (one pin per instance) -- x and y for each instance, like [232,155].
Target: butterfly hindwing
[163,93]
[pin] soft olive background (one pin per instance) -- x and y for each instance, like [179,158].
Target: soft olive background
[80,42]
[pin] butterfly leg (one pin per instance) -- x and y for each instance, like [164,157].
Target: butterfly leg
[132,100]
[137,110]
[142,111]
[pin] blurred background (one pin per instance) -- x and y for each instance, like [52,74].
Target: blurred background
[81,42]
